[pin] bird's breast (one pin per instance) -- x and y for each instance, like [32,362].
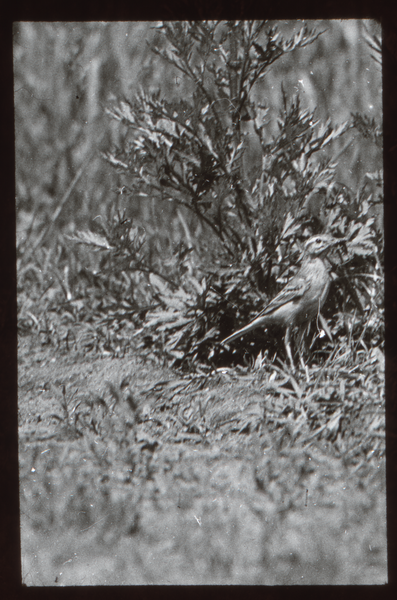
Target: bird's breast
[314,298]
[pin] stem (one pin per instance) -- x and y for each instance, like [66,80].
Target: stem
[195,208]
[47,230]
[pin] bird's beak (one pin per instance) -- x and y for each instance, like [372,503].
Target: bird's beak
[338,241]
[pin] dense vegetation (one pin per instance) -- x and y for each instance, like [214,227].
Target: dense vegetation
[213,199]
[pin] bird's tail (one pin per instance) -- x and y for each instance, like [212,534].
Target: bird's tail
[253,325]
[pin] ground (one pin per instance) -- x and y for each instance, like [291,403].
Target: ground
[133,474]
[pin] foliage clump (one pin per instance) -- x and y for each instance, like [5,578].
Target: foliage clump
[240,201]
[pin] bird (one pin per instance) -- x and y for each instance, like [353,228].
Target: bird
[303,296]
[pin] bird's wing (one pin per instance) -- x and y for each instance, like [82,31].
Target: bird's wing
[291,292]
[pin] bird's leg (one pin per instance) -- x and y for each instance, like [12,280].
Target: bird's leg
[288,347]
[302,332]
[304,367]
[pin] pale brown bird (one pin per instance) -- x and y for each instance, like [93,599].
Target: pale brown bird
[304,295]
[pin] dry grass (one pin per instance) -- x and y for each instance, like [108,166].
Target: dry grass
[233,477]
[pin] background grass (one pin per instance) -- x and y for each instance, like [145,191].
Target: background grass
[67,73]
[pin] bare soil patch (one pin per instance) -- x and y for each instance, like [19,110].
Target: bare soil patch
[120,496]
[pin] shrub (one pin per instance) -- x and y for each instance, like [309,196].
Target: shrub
[237,227]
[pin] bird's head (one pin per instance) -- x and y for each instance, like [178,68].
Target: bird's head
[319,244]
